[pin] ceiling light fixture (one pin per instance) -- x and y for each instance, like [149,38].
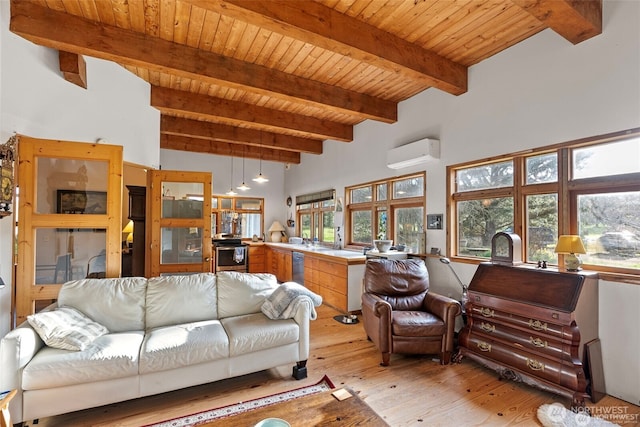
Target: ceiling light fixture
[261,179]
[231,192]
[243,186]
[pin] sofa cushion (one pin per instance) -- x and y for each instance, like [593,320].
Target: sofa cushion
[176,346]
[66,328]
[109,356]
[172,300]
[115,303]
[243,293]
[255,332]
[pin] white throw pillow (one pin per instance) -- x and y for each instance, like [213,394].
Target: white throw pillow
[243,293]
[66,328]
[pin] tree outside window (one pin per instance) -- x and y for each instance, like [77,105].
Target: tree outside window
[599,180]
[393,209]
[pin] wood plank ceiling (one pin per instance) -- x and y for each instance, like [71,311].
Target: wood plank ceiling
[273,79]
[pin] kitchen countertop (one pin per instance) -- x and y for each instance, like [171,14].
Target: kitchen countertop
[321,251]
[351,256]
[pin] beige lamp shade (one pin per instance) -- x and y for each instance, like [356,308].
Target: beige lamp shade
[276,230]
[571,245]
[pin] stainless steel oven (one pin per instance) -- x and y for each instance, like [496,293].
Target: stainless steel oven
[230,254]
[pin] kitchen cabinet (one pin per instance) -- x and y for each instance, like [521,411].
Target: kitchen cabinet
[335,275]
[279,262]
[327,279]
[257,258]
[338,281]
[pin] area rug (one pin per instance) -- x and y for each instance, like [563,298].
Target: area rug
[214,414]
[556,415]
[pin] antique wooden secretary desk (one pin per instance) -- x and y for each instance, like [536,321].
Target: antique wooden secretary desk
[531,325]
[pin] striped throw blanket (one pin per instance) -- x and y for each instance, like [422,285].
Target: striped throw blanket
[285,299]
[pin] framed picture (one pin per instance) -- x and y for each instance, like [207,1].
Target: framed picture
[81,202]
[434,222]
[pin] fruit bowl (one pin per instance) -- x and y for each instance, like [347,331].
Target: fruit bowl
[383,245]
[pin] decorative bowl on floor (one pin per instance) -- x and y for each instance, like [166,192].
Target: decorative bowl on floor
[273,422]
[383,245]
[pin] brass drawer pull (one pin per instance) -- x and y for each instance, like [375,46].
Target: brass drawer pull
[488,327]
[537,342]
[534,365]
[487,312]
[483,346]
[537,325]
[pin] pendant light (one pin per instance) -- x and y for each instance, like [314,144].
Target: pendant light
[231,192]
[261,179]
[243,187]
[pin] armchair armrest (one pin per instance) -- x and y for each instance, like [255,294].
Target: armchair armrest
[444,307]
[447,309]
[377,320]
[377,305]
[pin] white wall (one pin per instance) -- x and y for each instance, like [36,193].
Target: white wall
[35,100]
[542,91]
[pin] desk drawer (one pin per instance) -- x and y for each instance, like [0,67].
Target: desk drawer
[555,371]
[529,324]
[543,344]
[541,313]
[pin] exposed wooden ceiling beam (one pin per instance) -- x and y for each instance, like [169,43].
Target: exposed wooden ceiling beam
[225,133]
[71,33]
[183,143]
[73,68]
[575,20]
[322,26]
[192,104]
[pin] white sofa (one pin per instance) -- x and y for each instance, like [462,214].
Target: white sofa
[164,334]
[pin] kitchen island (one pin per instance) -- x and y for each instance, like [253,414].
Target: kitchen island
[334,274]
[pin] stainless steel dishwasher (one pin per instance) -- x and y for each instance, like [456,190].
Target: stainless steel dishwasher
[297,267]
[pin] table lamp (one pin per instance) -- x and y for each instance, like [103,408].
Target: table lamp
[128,230]
[276,230]
[570,245]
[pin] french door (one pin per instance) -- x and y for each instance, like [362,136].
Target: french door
[179,222]
[69,217]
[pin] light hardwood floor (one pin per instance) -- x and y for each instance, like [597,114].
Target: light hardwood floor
[412,391]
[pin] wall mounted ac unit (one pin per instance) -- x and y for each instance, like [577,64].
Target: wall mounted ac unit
[413,153]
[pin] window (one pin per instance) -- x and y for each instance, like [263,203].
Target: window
[240,216]
[372,215]
[315,216]
[590,187]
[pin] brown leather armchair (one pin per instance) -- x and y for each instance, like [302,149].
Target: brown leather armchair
[400,314]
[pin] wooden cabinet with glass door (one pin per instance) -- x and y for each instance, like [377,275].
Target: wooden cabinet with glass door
[180,222]
[69,216]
